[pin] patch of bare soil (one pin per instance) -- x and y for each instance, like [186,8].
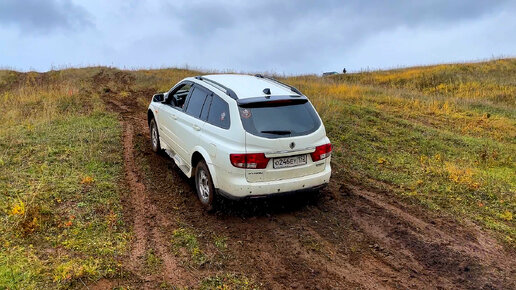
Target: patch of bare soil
[343,237]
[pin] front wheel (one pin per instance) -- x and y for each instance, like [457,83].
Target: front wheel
[154,134]
[204,186]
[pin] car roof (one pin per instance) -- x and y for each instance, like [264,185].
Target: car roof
[247,86]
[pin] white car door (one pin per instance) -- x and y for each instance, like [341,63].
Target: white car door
[168,114]
[189,123]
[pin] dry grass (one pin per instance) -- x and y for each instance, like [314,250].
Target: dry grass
[443,136]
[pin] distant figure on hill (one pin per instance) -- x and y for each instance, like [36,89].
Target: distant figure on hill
[344,71]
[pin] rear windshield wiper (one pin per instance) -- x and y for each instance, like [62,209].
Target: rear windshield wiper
[277,132]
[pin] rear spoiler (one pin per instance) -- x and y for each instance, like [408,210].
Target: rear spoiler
[271,101]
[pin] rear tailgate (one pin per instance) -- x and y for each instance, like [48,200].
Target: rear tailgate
[282,156]
[286,129]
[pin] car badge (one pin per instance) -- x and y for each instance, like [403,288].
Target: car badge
[292,145]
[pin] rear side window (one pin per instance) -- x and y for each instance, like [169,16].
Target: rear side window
[196,102]
[281,120]
[219,113]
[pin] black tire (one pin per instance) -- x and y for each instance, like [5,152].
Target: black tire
[204,186]
[154,135]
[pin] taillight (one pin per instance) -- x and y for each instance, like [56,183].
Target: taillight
[250,161]
[321,152]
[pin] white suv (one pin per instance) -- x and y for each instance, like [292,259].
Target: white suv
[241,136]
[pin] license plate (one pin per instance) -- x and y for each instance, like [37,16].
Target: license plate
[289,161]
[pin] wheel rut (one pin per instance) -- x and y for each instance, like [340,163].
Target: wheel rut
[147,221]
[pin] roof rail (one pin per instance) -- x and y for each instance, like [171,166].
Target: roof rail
[283,84]
[227,90]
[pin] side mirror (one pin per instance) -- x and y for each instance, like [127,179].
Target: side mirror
[158,97]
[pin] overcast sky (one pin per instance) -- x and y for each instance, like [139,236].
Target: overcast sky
[291,37]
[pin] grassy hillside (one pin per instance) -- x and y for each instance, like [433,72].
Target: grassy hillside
[60,168]
[61,174]
[443,136]
[440,136]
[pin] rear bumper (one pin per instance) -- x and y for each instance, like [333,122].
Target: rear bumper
[239,188]
[275,194]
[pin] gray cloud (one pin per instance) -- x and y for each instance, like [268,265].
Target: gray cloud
[301,36]
[35,16]
[374,14]
[284,33]
[204,19]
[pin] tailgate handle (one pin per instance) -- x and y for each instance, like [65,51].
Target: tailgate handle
[196,128]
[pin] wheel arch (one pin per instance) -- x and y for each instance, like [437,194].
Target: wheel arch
[150,116]
[200,154]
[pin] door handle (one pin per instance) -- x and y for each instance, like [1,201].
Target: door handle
[196,128]
[174,117]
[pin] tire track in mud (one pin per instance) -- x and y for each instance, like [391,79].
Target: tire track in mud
[146,219]
[137,201]
[452,255]
[347,237]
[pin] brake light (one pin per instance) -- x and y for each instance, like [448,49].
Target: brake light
[249,161]
[321,152]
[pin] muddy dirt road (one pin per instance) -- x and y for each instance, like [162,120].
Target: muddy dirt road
[345,237]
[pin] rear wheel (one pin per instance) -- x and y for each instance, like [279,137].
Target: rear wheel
[204,186]
[154,134]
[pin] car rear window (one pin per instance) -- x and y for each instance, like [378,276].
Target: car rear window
[280,120]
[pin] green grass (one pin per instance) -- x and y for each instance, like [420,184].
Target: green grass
[20,268]
[60,183]
[152,262]
[59,204]
[228,281]
[184,240]
[220,242]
